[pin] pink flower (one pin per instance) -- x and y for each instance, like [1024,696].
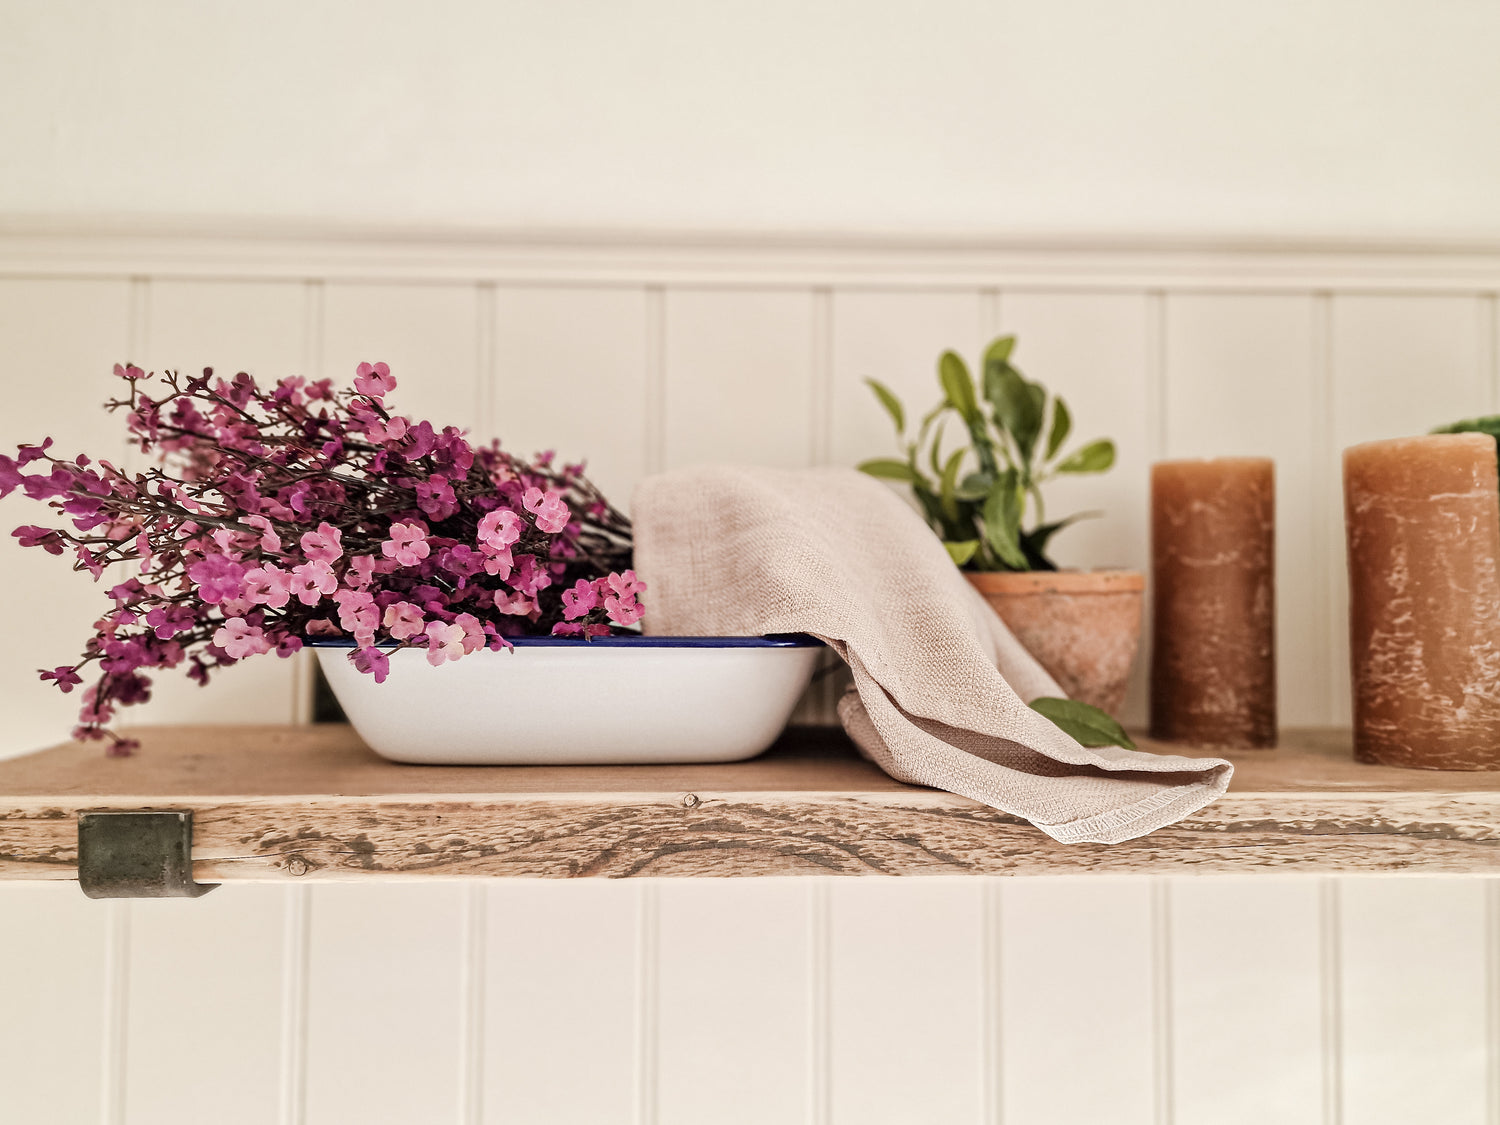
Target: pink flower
[435,498]
[268,585]
[499,530]
[444,642]
[374,380]
[129,371]
[323,545]
[580,599]
[360,571]
[216,576]
[372,662]
[240,639]
[626,585]
[517,605]
[474,635]
[269,540]
[312,580]
[407,544]
[403,620]
[359,616]
[550,511]
[622,611]
[499,564]
[530,578]
[391,430]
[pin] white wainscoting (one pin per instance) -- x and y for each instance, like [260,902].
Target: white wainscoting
[1164,1001]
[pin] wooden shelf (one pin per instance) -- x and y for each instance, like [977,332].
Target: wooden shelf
[314,802]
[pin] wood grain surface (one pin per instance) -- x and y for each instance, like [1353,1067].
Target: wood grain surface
[314,802]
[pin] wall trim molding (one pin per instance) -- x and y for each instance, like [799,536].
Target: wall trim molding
[706,259]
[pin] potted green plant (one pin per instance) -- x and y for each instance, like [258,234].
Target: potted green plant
[984,500]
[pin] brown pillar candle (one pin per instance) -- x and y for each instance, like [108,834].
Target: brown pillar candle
[1213,554]
[1423,521]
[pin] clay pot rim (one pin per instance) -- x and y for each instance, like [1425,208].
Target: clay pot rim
[1103,581]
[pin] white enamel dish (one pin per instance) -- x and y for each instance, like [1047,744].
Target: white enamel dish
[562,701]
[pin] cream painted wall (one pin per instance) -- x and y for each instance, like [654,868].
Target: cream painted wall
[1272,119]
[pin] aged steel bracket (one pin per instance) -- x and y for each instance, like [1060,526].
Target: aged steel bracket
[137,854]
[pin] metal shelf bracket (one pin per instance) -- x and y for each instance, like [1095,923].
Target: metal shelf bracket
[137,854]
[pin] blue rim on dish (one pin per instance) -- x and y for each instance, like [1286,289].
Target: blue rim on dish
[633,640]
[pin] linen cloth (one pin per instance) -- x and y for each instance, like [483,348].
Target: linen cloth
[939,681]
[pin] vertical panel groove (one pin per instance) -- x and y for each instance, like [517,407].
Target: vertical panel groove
[989,315]
[294,965]
[1161,998]
[1328,513]
[656,378]
[1335,633]
[821,430]
[116,1011]
[819,1017]
[991,1014]
[1489,345]
[647,1001]
[1492,999]
[1156,374]
[485,352]
[472,991]
[1331,979]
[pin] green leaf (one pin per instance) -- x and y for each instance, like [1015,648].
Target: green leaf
[1019,407]
[1094,457]
[1062,425]
[891,403]
[935,454]
[887,468]
[1088,725]
[998,352]
[961,553]
[1034,542]
[947,484]
[1002,521]
[1490,424]
[958,385]
[975,486]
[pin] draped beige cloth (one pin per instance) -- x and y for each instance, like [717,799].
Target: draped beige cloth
[940,683]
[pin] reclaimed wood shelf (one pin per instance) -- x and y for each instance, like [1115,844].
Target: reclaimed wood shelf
[313,802]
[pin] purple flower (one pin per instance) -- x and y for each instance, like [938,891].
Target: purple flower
[373,662]
[407,545]
[66,679]
[374,380]
[217,577]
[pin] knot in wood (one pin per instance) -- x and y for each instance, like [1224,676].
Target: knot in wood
[296,866]
[691,801]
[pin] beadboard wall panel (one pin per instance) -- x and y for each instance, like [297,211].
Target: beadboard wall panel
[1246,983]
[197,1035]
[727,1035]
[1031,1001]
[1081,1021]
[562,993]
[57,1015]
[648,357]
[570,375]
[385,1004]
[1414,1005]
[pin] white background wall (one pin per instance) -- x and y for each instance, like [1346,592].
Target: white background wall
[1193,1000]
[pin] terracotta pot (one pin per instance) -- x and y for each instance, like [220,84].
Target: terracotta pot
[1082,626]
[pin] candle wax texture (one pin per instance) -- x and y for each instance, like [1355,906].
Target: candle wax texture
[1423,522]
[1213,552]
